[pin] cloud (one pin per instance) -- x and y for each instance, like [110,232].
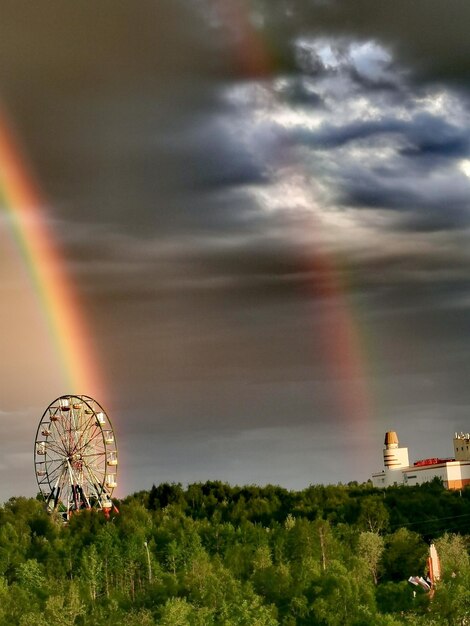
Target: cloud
[421,135]
[368,62]
[367,148]
[439,54]
[203,203]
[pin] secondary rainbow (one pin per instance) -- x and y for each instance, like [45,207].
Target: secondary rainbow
[28,225]
[340,338]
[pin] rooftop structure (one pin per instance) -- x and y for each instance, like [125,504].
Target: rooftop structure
[454,472]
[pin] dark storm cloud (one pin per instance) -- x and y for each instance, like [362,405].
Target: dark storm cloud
[410,156]
[86,46]
[212,157]
[121,110]
[137,134]
[421,135]
[111,157]
[259,271]
[143,125]
[300,91]
[205,207]
[429,35]
[434,206]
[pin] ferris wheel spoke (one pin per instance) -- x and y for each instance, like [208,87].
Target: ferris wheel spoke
[50,462]
[53,464]
[53,444]
[55,473]
[52,447]
[91,464]
[82,427]
[61,435]
[92,450]
[52,478]
[91,442]
[74,417]
[85,443]
[75,442]
[91,420]
[56,418]
[71,473]
[53,457]
[94,485]
[95,480]
[53,412]
[93,454]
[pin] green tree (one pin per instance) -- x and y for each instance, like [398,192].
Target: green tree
[141,617]
[405,555]
[14,543]
[176,612]
[91,571]
[33,618]
[63,609]
[370,547]
[343,598]
[451,603]
[373,514]
[452,551]
[30,575]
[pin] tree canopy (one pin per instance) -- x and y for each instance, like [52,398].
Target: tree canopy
[215,554]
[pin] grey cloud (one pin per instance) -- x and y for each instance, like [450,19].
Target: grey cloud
[422,134]
[418,179]
[428,35]
[366,62]
[125,163]
[298,90]
[432,204]
[208,301]
[433,135]
[416,211]
[105,45]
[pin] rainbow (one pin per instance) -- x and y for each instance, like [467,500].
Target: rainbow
[35,242]
[341,343]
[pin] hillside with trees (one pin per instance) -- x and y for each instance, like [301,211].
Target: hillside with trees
[214,554]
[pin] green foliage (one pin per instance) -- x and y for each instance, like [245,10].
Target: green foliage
[30,575]
[64,606]
[217,555]
[373,514]
[405,555]
[370,547]
[453,556]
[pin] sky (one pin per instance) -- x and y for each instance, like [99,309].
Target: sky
[262,210]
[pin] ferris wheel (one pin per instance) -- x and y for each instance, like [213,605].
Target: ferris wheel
[75,456]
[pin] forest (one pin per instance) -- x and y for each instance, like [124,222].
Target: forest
[214,554]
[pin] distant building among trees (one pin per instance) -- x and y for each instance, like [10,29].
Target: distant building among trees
[454,472]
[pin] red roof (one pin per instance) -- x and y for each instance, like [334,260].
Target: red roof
[433,461]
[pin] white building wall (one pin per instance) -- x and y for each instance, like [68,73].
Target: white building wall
[458,474]
[387,478]
[395,458]
[419,475]
[454,474]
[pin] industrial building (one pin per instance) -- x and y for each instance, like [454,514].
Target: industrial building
[454,472]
